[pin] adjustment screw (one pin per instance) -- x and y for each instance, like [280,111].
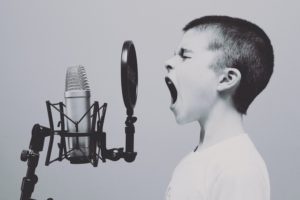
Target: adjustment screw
[24,155]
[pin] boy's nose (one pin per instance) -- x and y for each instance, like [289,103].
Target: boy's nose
[170,64]
[168,68]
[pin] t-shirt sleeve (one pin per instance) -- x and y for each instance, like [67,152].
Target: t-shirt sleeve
[240,184]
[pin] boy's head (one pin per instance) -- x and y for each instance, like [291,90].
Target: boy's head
[232,51]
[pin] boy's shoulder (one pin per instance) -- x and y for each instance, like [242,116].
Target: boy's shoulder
[236,152]
[235,158]
[234,155]
[232,166]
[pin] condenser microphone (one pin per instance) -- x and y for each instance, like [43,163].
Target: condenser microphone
[77,100]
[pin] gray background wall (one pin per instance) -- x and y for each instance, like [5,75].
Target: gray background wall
[39,39]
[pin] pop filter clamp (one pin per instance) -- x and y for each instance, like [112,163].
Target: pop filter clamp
[97,144]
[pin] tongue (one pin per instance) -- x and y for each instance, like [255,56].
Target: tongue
[172,89]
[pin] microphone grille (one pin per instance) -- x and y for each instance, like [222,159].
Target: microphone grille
[76,79]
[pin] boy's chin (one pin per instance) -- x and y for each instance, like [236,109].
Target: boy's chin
[181,120]
[184,116]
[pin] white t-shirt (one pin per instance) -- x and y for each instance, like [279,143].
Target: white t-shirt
[229,170]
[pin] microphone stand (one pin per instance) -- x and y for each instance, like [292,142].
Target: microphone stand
[36,145]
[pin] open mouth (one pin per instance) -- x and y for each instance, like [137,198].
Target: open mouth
[172,89]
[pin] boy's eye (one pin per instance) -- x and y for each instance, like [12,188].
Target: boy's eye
[182,55]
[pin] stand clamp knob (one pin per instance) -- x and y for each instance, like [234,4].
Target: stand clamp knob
[24,155]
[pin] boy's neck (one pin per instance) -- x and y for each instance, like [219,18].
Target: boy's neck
[223,123]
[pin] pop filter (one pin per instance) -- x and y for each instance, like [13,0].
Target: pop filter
[129,76]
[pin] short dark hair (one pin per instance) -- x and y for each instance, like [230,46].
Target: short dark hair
[243,46]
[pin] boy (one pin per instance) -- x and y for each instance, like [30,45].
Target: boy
[220,66]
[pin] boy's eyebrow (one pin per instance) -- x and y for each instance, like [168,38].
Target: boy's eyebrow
[182,51]
[186,50]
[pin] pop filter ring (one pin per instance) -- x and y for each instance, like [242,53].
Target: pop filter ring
[129,76]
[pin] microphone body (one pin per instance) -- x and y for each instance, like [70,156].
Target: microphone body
[77,100]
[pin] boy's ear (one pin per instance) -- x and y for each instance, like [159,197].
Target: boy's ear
[229,79]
